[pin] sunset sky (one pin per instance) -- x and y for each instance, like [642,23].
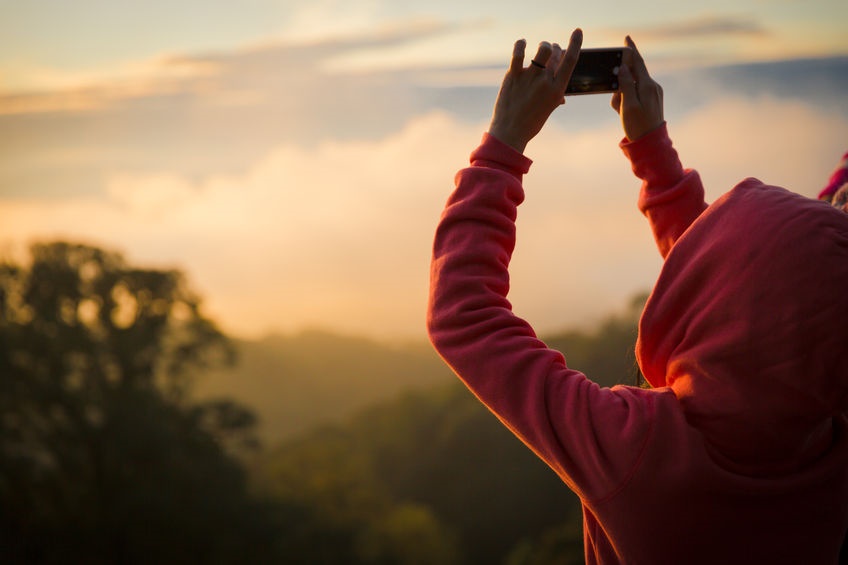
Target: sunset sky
[292,157]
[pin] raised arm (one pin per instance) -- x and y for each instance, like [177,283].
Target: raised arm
[590,436]
[671,197]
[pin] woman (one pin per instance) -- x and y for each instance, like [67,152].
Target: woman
[739,452]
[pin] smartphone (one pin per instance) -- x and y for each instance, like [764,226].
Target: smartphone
[596,71]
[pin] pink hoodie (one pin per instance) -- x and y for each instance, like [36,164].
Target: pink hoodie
[740,452]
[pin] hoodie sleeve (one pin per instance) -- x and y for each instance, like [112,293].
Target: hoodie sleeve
[671,197]
[591,436]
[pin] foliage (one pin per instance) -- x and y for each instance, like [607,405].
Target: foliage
[434,466]
[295,385]
[102,460]
[106,456]
[560,545]
[605,355]
[488,498]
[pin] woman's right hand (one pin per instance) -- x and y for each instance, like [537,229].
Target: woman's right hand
[639,100]
[530,94]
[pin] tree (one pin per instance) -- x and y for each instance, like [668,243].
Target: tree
[102,457]
[560,545]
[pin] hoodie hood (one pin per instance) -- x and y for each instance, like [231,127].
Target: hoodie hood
[748,325]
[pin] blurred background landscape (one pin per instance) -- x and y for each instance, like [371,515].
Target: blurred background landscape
[134,431]
[215,227]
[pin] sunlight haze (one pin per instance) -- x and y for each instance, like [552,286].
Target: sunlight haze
[292,157]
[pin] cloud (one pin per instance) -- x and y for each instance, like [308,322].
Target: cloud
[85,91]
[297,61]
[294,194]
[786,142]
[150,197]
[706,26]
[392,33]
[181,113]
[184,113]
[338,235]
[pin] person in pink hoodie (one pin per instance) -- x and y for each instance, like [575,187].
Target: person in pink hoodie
[738,454]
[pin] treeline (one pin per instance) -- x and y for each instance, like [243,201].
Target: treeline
[106,457]
[297,382]
[429,478]
[438,479]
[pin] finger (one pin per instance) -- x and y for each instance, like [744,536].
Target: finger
[554,62]
[517,62]
[543,53]
[569,59]
[556,56]
[640,71]
[627,55]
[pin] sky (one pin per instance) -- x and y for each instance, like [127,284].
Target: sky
[292,157]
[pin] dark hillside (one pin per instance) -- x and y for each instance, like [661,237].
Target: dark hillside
[313,378]
[478,494]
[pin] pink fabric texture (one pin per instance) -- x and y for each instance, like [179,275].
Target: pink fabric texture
[739,454]
[837,179]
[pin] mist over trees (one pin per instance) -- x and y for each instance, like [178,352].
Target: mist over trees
[296,382]
[108,456]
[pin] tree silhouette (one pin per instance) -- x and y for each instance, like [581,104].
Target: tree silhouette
[102,457]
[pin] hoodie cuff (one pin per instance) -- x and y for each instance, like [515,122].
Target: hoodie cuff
[654,159]
[495,154]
